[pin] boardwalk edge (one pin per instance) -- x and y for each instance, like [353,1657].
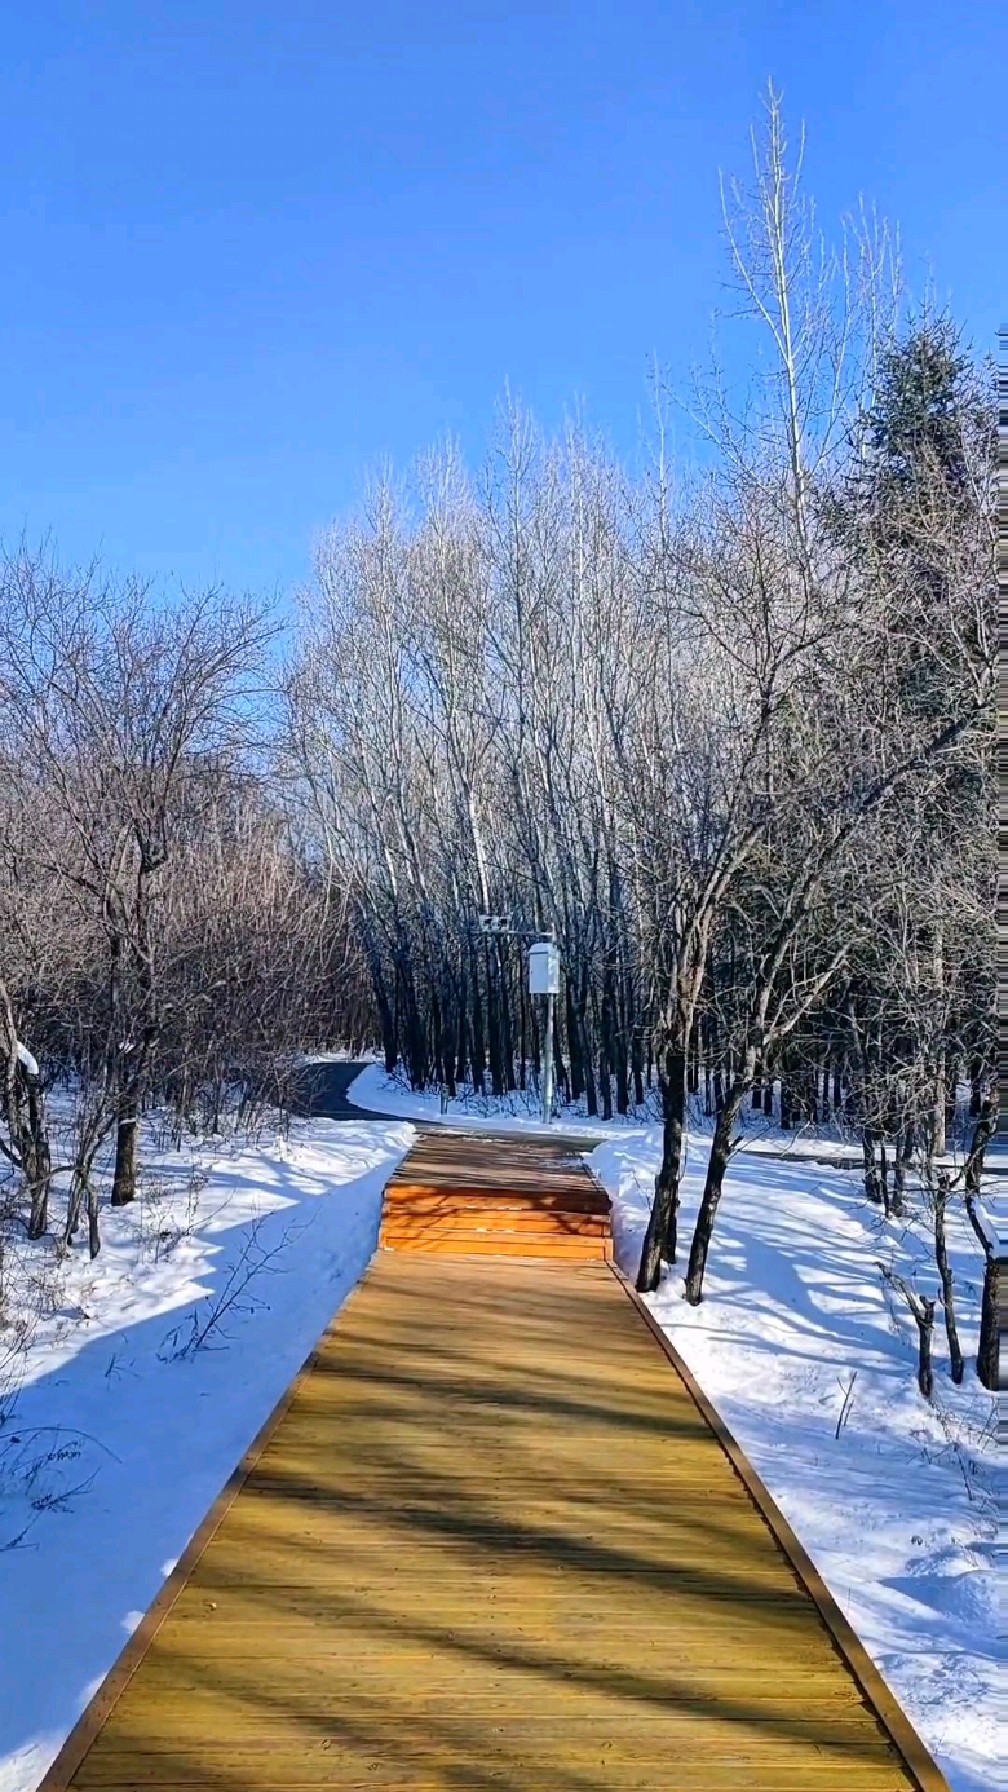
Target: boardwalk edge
[923,1770]
[99,1709]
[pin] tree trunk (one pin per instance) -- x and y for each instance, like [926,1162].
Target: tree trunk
[461,1050]
[871,1177]
[636,1057]
[386,1016]
[938,1087]
[448,1036]
[622,1073]
[660,1237]
[947,1288]
[433,1056]
[94,1240]
[506,1036]
[41,1161]
[478,1036]
[573,1043]
[74,1199]
[938,1108]
[925,1326]
[717,1163]
[786,1099]
[904,1146]
[559,1067]
[493,1025]
[860,1090]
[587,1059]
[988,1365]
[605,1082]
[124,1178]
[523,1065]
[718,1070]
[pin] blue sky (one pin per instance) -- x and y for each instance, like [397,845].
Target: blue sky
[250,249]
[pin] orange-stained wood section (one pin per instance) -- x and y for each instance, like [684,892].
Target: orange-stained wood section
[459,1195]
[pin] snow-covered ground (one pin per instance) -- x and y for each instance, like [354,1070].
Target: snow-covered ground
[900,1511]
[380,1093]
[118,1433]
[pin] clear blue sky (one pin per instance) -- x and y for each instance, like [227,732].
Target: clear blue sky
[250,249]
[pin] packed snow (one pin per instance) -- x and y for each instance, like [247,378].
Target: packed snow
[377,1092]
[127,1404]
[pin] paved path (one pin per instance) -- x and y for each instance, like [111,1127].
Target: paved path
[493,1538]
[321,1092]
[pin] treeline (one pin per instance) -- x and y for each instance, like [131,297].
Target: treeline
[724,727]
[726,731]
[169,934]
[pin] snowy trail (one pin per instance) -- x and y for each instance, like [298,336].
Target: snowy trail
[144,1444]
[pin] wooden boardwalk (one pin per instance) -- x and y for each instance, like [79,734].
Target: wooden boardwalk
[462,1194]
[492,1537]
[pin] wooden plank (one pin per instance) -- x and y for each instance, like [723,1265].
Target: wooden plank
[455,1197]
[498,1244]
[532,1220]
[489,1539]
[443,1160]
[536,1198]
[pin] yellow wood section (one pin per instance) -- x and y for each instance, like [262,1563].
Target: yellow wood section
[460,1195]
[490,1541]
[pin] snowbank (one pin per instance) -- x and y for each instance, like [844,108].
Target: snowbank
[121,1436]
[898,1512]
[378,1093]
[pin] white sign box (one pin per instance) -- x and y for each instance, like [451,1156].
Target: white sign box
[544,970]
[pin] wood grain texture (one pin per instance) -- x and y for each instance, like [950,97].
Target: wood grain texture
[458,1195]
[491,1539]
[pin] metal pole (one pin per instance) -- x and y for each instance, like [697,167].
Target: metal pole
[548,1066]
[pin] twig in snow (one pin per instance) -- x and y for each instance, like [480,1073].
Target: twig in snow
[252,1262]
[845,1408]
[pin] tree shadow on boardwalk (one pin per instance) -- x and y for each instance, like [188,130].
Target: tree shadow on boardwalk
[492,1542]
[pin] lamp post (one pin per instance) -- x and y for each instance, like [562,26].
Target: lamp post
[544,980]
